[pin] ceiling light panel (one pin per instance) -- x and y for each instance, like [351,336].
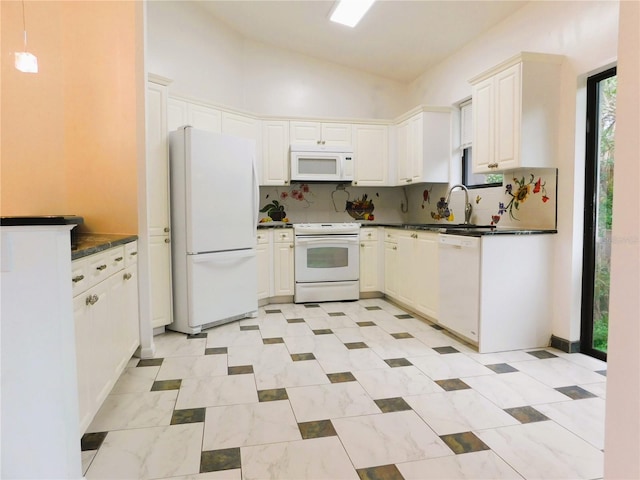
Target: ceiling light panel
[350,12]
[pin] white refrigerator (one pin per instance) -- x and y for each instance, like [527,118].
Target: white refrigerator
[214,213]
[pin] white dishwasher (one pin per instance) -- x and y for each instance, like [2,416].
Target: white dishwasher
[459,258]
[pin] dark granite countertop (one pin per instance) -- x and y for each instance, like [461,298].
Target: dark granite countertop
[275,225]
[90,243]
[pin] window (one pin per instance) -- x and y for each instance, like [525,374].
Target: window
[470,179]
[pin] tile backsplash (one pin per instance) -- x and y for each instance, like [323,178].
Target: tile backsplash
[527,199]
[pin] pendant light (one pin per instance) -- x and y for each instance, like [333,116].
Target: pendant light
[25,61]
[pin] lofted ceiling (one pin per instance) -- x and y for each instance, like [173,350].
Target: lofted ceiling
[397,39]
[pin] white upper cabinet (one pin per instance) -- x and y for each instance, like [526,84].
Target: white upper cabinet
[515,113]
[275,153]
[371,152]
[321,134]
[240,125]
[181,112]
[423,147]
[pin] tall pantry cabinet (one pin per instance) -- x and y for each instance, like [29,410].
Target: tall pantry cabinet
[159,220]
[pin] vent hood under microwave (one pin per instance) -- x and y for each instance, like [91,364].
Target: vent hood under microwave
[310,163]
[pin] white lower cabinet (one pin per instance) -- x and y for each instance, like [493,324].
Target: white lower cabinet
[160,280]
[369,260]
[106,325]
[391,270]
[283,258]
[263,257]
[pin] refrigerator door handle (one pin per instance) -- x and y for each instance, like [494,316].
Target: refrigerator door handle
[256,194]
[229,255]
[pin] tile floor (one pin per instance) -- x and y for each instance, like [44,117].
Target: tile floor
[347,390]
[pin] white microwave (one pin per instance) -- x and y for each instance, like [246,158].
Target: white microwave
[321,164]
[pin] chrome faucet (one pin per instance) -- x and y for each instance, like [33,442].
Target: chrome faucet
[467,206]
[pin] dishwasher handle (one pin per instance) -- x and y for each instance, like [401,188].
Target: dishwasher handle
[459,241]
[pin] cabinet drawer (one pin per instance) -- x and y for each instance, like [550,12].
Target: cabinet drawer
[283,236]
[79,280]
[262,238]
[391,236]
[368,234]
[103,264]
[131,253]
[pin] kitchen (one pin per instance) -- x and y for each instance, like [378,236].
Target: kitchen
[445,85]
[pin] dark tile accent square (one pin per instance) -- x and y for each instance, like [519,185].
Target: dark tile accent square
[189,415]
[602,372]
[322,331]
[401,335]
[502,368]
[312,305]
[387,405]
[355,345]
[295,320]
[437,327]
[542,354]
[465,442]
[240,370]
[299,357]
[403,316]
[317,429]
[215,351]
[150,362]
[336,314]
[271,341]
[341,377]
[382,472]
[275,310]
[272,395]
[398,362]
[197,335]
[245,328]
[526,414]
[445,350]
[160,385]
[452,384]
[216,460]
[373,308]
[92,441]
[575,392]
[366,324]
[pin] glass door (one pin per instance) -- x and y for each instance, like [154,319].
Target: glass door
[601,122]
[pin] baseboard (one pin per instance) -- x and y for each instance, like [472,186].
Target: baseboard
[565,345]
[364,295]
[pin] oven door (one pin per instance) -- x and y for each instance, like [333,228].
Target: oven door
[328,258]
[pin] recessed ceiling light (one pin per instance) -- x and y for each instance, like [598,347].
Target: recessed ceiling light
[350,12]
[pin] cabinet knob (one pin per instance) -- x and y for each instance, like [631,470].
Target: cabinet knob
[77,278]
[92,299]
[167,240]
[133,254]
[101,267]
[127,276]
[167,229]
[291,245]
[409,180]
[355,183]
[369,234]
[362,244]
[119,259]
[395,248]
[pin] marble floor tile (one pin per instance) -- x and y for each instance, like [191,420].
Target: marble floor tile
[328,344]
[459,411]
[134,410]
[316,323]
[388,438]
[249,424]
[515,389]
[545,450]
[318,458]
[599,389]
[485,465]
[585,418]
[500,357]
[349,360]
[557,372]
[149,453]
[289,374]
[282,328]
[330,401]
[233,474]
[174,344]
[258,354]
[216,391]
[403,347]
[136,380]
[450,365]
[395,382]
[233,336]
[363,334]
[189,367]
[435,338]
[583,360]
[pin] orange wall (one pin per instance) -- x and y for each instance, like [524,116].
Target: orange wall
[69,132]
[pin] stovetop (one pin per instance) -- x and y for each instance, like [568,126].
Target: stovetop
[326,228]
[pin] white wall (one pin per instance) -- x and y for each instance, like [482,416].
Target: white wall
[622,429]
[586,33]
[208,61]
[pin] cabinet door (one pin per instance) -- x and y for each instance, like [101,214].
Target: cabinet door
[239,125]
[391,269]
[371,151]
[205,118]
[129,330]
[263,257]
[101,340]
[305,133]
[507,100]
[369,267]
[337,134]
[160,266]
[177,114]
[426,280]
[415,148]
[85,359]
[283,283]
[403,152]
[406,266]
[483,136]
[157,159]
[275,153]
